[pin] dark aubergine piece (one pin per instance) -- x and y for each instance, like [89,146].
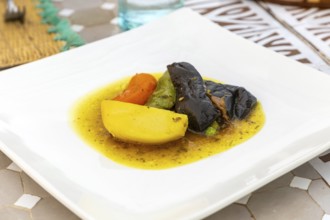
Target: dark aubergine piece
[191,98]
[235,100]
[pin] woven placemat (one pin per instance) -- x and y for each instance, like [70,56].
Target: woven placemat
[23,43]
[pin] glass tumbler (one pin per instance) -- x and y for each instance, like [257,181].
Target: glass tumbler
[134,13]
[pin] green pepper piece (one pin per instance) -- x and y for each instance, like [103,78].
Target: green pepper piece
[212,129]
[164,95]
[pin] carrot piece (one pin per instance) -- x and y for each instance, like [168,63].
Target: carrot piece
[139,89]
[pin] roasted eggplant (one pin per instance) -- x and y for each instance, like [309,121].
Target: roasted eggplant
[191,97]
[234,102]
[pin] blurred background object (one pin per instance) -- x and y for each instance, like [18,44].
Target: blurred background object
[13,13]
[303,3]
[134,13]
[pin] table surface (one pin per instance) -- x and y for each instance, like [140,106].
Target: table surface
[302,34]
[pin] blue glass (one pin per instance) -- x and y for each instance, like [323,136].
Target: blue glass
[134,13]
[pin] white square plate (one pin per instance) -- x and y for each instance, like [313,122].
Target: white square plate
[35,131]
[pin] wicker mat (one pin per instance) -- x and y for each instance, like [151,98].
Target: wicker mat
[23,43]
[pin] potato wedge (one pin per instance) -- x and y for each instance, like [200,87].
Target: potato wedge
[142,124]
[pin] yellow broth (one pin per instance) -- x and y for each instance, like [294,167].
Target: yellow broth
[87,122]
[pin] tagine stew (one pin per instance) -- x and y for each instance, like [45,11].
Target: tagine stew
[234,125]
